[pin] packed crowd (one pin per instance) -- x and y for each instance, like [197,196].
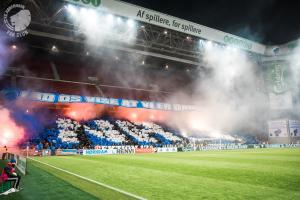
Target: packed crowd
[104,130]
[68,133]
[137,132]
[154,128]
[67,130]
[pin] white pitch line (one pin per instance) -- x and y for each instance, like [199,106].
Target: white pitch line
[96,182]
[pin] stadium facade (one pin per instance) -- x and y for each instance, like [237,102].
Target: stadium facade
[159,36]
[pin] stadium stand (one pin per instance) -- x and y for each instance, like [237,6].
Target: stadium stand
[67,134]
[72,78]
[63,135]
[165,136]
[102,132]
[137,133]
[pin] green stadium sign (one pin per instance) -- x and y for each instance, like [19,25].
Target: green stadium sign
[93,3]
[237,42]
[278,77]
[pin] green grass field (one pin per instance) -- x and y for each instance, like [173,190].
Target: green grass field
[239,174]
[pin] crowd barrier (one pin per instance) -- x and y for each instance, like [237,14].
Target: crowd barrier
[99,151]
[280,146]
[221,147]
[166,149]
[144,150]
[132,150]
[65,152]
[126,151]
[232,147]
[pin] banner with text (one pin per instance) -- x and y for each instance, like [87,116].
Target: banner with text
[125,150]
[65,152]
[92,152]
[170,22]
[166,149]
[64,98]
[144,150]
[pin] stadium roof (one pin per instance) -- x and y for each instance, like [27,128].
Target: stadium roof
[170,22]
[157,37]
[175,53]
[270,22]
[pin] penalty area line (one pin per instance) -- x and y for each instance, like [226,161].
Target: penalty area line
[90,180]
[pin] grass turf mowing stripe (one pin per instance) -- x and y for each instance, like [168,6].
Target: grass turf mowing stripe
[94,190]
[188,176]
[40,184]
[93,181]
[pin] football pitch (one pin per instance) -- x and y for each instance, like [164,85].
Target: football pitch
[233,174]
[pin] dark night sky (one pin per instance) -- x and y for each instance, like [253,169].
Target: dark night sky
[265,21]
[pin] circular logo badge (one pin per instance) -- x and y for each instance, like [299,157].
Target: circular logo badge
[17,19]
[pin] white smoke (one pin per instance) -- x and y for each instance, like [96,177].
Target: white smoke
[228,100]
[98,27]
[101,31]
[294,61]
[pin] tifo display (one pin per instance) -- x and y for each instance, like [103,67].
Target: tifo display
[70,134]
